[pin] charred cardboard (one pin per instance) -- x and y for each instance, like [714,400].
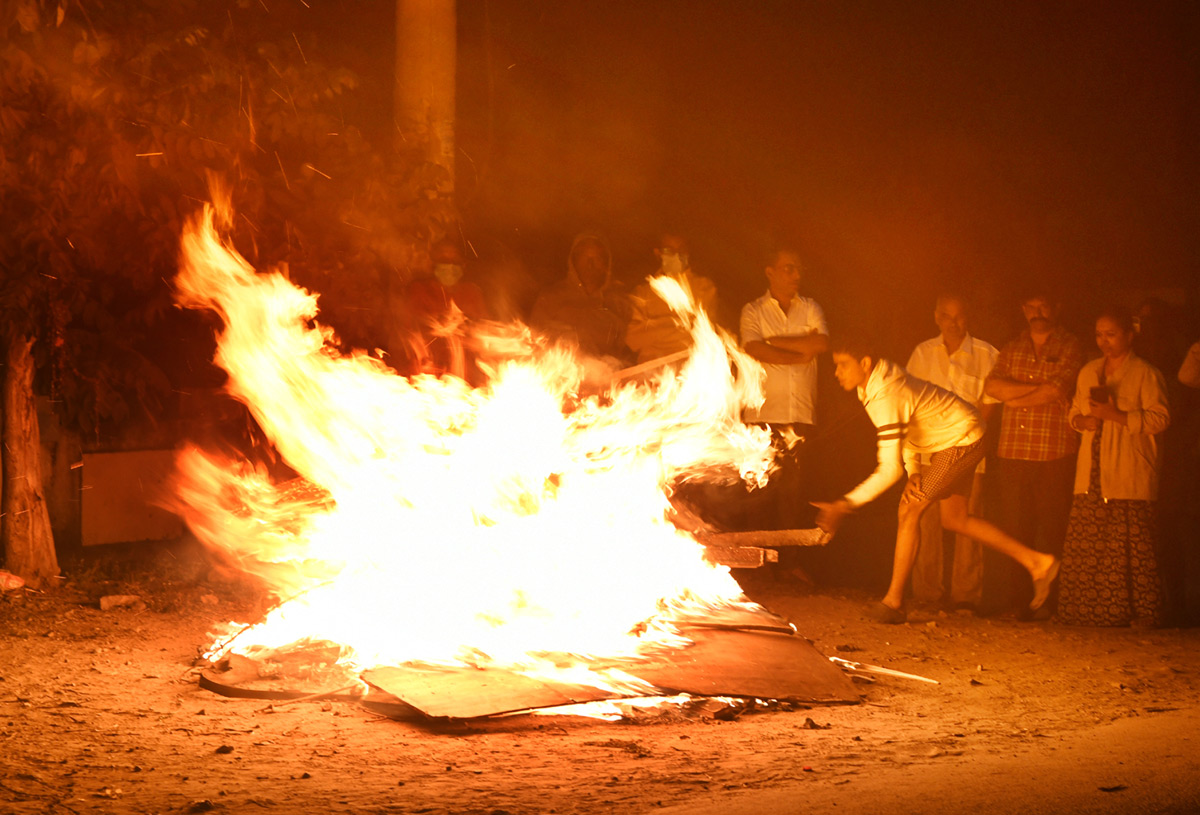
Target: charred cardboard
[720,662]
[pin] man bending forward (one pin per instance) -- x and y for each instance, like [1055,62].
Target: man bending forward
[913,417]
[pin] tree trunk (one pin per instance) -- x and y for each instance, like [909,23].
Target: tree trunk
[28,541]
[426,57]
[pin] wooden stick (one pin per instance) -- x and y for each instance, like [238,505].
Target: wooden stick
[651,365]
[312,696]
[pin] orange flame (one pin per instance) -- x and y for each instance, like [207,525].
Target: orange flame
[438,522]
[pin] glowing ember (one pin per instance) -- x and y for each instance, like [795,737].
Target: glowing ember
[512,524]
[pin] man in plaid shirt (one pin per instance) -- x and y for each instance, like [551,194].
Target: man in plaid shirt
[1034,377]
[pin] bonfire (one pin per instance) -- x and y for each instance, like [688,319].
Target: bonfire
[522,528]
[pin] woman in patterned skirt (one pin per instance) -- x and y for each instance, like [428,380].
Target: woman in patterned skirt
[1110,572]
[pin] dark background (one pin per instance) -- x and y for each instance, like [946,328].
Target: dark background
[902,147]
[905,147]
[985,147]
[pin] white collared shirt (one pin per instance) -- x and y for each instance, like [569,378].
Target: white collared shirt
[962,373]
[791,390]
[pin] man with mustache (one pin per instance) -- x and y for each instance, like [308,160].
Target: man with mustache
[1034,378]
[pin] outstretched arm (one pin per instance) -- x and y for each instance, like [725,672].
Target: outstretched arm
[887,472]
[889,468]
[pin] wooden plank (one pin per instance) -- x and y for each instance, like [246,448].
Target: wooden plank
[772,538]
[740,557]
[467,693]
[753,664]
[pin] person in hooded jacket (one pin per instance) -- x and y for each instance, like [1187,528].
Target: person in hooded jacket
[914,417]
[588,308]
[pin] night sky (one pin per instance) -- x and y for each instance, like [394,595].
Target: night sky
[904,147]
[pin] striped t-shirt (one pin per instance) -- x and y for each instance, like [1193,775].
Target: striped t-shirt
[911,417]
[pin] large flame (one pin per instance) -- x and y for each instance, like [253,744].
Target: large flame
[509,524]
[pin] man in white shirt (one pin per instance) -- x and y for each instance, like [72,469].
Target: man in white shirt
[913,417]
[785,332]
[960,363]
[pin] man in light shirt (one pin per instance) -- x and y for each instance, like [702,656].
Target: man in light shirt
[914,418]
[785,332]
[960,363]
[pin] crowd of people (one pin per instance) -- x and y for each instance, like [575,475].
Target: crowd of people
[1074,460]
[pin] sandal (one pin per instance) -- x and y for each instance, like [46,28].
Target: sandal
[883,613]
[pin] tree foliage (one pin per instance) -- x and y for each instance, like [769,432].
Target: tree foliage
[113,117]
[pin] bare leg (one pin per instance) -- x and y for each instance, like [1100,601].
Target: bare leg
[928,584]
[907,535]
[1042,567]
[966,581]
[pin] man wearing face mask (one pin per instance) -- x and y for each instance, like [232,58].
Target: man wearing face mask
[441,307]
[654,331]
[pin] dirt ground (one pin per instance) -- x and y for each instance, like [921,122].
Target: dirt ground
[100,712]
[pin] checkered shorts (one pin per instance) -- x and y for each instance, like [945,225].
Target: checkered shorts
[951,472]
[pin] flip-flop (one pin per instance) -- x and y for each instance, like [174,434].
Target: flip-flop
[1041,586]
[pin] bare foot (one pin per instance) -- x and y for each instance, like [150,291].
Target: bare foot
[1042,584]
